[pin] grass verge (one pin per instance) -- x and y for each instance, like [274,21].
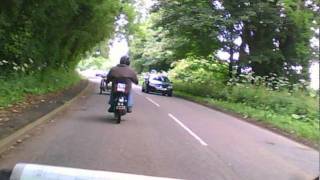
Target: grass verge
[15,88]
[307,132]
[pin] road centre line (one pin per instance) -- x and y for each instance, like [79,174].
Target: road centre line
[149,99]
[188,130]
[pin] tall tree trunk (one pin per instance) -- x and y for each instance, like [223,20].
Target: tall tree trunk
[243,55]
[231,61]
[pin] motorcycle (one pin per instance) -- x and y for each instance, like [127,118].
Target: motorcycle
[120,102]
[103,85]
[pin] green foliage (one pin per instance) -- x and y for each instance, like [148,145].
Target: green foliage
[269,98]
[200,71]
[270,82]
[150,48]
[278,102]
[284,122]
[275,35]
[192,24]
[295,36]
[96,63]
[297,105]
[200,77]
[52,33]
[179,29]
[14,88]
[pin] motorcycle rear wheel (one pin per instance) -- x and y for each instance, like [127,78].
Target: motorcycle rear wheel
[118,117]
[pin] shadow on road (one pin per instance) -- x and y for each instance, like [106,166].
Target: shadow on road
[107,118]
[104,93]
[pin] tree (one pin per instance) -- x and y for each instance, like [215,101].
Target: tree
[150,48]
[294,38]
[191,24]
[275,35]
[53,33]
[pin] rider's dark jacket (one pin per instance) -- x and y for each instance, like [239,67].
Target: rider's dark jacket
[121,73]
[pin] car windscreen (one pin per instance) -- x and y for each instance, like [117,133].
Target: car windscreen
[162,79]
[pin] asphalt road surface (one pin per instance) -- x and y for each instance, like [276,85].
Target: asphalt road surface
[166,137]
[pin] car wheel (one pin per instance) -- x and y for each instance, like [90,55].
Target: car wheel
[147,90]
[170,93]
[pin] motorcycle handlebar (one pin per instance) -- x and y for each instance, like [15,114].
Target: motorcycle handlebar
[5,174]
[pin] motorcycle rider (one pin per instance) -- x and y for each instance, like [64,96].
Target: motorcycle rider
[122,72]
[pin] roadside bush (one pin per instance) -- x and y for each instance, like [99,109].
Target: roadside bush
[14,89]
[199,76]
[200,71]
[271,94]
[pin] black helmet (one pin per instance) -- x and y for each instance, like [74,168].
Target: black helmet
[125,60]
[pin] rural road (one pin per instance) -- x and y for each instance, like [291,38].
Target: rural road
[165,137]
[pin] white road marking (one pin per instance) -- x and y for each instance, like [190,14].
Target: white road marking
[188,130]
[149,99]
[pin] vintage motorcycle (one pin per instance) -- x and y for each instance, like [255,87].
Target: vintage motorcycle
[120,101]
